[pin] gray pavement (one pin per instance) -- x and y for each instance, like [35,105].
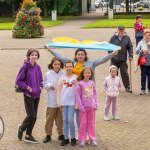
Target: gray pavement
[132,132]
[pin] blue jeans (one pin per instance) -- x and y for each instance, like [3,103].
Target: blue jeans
[68,121]
[77,119]
[145,73]
[138,39]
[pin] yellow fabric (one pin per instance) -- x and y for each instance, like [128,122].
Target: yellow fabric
[78,68]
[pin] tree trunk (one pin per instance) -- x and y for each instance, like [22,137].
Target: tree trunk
[45,8]
[127,6]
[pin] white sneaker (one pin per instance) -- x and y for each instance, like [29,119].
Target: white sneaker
[115,118]
[82,143]
[106,118]
[94,143]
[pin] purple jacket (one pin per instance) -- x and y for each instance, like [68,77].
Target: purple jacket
[31,76]
[86,96]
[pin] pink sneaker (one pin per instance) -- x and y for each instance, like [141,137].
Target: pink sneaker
[82,143]
[94,143]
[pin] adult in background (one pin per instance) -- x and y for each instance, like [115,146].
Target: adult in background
[143,49]
[121,39]
[139,29]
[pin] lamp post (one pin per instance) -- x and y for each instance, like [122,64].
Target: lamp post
[110,10]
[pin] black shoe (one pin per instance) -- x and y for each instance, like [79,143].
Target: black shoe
[73,142]
[128,89]
[30,139]
[47,139]
[64,142]
[20,133]
[61,137]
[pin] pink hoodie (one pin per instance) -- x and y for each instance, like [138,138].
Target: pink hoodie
[112,85]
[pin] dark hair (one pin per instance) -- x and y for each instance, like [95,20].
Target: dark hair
[138,16]
[50,66]
[69,62]
[31,50]
[82,50]
[81,76]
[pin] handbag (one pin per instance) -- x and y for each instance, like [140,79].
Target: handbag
[18,89]
[142,60]
[139,34]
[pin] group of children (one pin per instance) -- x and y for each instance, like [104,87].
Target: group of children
[71,92]
[67,94]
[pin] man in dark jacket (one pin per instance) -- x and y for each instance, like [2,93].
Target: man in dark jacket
[121,39]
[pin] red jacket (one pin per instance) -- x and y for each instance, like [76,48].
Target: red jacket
[139,27]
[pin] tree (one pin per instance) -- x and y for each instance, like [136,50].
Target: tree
[28,21]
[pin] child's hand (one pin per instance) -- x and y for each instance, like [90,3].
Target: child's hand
[60,107]
[145,51]
[52,87]
[82,110]
[29,89]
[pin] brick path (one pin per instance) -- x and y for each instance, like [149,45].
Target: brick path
[132,132]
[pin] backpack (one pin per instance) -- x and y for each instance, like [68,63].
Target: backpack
[17,88]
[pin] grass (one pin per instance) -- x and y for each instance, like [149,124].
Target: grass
[9,25]
[130,16]
[105,23]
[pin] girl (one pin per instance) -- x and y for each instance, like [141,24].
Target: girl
[87,102]
[66,100]
[53,111]
[29,79]
[139,29]
[112,86]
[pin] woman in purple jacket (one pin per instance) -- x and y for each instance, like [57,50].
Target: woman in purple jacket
[29,79]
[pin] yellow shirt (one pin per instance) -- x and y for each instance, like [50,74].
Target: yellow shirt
[78,68]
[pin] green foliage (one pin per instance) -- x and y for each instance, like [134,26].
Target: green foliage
[28,21]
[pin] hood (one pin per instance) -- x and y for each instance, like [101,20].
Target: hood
[112,66]
[27,63]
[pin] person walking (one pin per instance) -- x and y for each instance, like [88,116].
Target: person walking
[139,29]
[143,50]
[121,39]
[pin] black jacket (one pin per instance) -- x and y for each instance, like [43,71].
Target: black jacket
[126,46]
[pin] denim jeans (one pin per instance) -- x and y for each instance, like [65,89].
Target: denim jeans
[145,75]
[138,39]
[77,119]
[68,121]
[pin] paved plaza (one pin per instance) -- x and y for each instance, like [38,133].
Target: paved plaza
[132,132]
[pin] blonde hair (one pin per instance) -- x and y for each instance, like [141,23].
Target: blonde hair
[147,32]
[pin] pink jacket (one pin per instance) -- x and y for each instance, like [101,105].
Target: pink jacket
[112,86]
[86,96]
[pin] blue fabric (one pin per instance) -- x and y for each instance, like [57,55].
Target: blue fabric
[96,46]
[68,121]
